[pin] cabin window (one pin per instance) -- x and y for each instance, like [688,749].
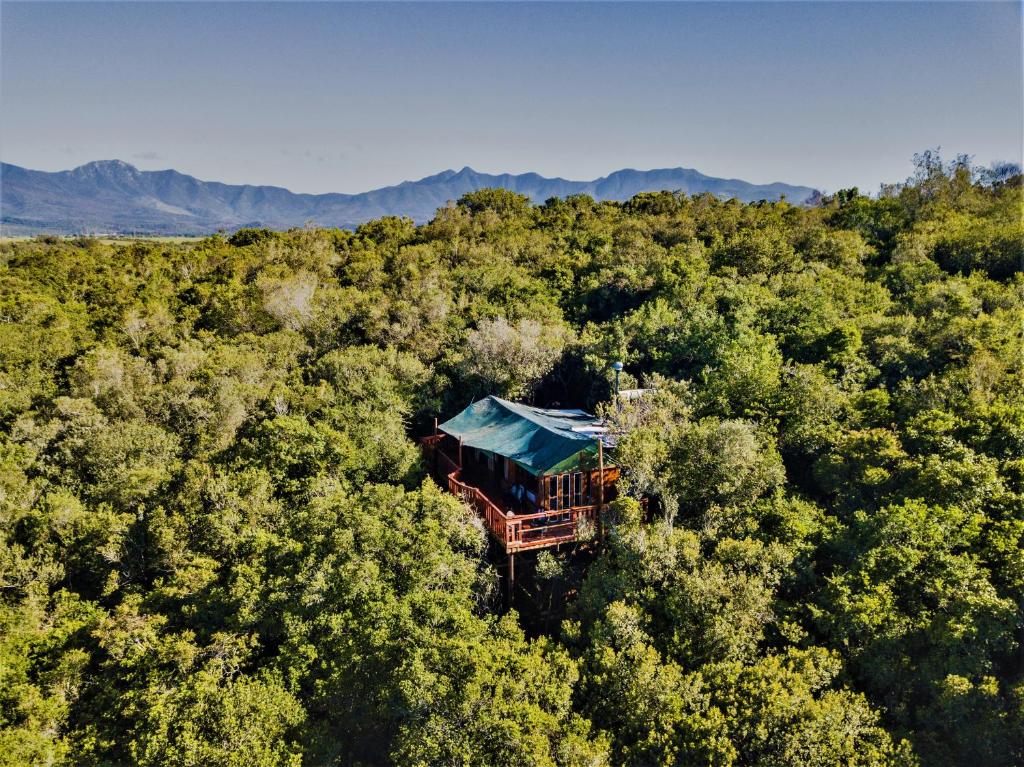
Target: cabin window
[553,492]
[579,489]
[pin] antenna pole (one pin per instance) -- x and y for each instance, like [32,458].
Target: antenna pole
[617,367]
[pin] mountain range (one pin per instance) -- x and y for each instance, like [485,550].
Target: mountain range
[113,197]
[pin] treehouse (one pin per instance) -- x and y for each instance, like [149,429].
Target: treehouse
[537,477]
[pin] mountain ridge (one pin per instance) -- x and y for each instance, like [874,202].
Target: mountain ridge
[113,196]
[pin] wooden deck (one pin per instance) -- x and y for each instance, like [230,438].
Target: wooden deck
[514,531]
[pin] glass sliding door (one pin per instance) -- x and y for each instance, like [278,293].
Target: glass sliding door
[553,497]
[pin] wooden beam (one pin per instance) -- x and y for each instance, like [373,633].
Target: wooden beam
[579,468]
[600,490]
[511,577]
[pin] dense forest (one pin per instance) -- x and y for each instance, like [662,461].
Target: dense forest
[219,544]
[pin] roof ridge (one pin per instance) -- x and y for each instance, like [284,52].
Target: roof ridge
[528,412]
[516,409]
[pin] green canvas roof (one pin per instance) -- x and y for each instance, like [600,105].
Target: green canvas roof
[540,440]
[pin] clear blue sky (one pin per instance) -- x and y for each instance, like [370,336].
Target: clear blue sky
[346,97]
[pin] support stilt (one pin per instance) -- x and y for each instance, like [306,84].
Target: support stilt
[600,490]
[511,576]
[435,451]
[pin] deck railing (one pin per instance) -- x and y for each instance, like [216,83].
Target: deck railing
[516,532]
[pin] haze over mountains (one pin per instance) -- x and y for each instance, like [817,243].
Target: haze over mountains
[113,197]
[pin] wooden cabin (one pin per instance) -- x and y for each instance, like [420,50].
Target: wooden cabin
[537,477]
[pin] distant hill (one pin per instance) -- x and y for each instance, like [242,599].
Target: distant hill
[114,197]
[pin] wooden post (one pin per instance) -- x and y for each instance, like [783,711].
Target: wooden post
[437,448]
[581,460]
[511,576]
[600,489]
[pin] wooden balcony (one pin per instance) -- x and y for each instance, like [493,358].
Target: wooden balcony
[535,529]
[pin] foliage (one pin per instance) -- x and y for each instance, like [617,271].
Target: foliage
[218,544]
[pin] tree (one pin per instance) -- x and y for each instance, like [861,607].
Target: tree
[924,628]
[509,703]
[511,359]
[504,203]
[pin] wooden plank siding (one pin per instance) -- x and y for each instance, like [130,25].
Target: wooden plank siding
[519,532]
